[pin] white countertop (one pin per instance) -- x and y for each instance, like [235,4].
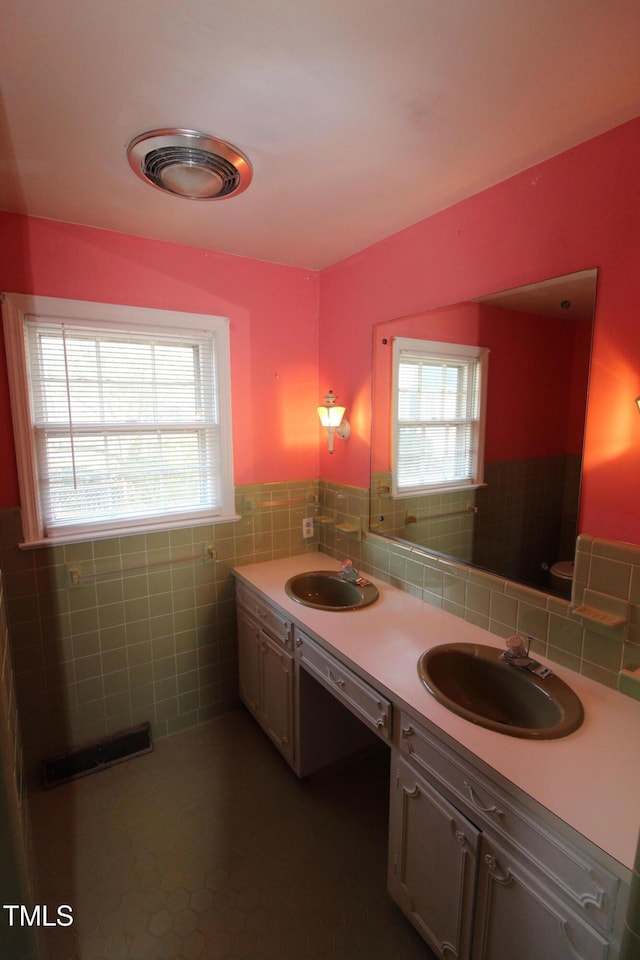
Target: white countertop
[590,779]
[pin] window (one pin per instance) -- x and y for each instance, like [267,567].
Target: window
[121,417]
[438,416]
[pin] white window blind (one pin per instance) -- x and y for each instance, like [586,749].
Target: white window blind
[438,421]
[127,427]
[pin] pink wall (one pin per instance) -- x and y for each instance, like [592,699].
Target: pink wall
[539,352]
[578,210]
[274,328]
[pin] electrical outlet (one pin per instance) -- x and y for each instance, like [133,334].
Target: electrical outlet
[307,528]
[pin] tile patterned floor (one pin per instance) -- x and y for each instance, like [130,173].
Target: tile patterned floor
[211,848]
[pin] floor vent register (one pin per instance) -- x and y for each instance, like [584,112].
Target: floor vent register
[97,756]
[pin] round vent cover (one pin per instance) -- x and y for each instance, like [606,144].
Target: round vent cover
[189,164]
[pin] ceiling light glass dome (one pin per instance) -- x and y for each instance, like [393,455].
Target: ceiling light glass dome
[189,164]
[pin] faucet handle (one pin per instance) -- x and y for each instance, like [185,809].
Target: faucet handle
[519,645]
[348,570]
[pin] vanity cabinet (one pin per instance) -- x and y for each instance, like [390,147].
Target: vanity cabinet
[266,668]
[461,847]
[482,870]
[310,705]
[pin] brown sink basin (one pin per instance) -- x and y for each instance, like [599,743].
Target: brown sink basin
[327,590]
[472,681]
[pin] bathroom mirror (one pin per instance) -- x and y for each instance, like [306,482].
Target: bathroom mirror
[523,519]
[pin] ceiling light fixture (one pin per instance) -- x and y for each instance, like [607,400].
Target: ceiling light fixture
[186,163]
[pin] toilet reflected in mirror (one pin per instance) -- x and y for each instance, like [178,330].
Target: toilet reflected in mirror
[561,577]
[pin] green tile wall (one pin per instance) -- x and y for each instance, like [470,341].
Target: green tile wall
[16,943]
[441,520]
[500,605]
[147,633]
[527,516]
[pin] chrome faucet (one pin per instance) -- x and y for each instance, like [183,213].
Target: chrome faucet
[349,572]
[517,655]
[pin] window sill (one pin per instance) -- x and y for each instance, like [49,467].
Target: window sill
[445,488]
[132,530]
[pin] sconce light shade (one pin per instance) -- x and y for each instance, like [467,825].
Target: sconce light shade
[638,403]
[332,417]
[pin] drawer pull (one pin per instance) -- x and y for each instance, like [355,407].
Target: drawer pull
[566,929]
[406,734]
[503,877]
[595,901]
[337,680]
[461,840]
[496,811]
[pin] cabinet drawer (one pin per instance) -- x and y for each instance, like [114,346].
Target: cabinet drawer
[270,618]
[588,884]
[363,700]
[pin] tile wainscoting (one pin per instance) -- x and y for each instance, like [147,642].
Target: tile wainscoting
[16,867]
[608,569]
[111,633]
[148,630]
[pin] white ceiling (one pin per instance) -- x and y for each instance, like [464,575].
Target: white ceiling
[360,117]
[569,297]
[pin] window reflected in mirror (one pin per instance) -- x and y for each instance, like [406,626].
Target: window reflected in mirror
[523,518]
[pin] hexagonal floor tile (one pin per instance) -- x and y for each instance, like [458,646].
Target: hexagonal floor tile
[210,849]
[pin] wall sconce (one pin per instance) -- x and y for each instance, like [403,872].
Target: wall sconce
[638,403]
[331,417]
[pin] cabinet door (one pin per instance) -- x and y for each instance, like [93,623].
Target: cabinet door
[433,853]
[517,916]
[249,638]
[277,679]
